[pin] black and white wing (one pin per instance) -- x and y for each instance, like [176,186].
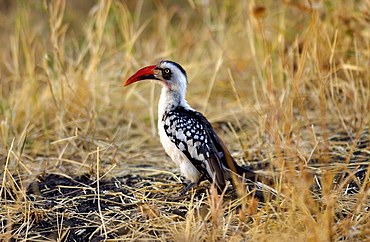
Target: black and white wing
[191,132]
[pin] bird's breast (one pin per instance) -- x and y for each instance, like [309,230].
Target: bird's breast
[186,167]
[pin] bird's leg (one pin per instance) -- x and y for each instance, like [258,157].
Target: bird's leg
[182,193]
[187,188]
[191,185]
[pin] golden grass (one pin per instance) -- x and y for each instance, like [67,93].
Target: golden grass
[284,82]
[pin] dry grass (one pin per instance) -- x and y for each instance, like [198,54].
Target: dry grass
[285,83]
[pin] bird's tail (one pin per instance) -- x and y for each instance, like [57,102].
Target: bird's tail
[254,181]
[251,175]
[246,173]
[257,183]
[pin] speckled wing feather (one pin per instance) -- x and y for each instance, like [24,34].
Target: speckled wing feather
[191,132]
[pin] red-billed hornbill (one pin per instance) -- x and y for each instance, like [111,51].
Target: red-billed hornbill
[186,135]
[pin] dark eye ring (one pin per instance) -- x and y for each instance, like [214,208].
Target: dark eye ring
[167,71]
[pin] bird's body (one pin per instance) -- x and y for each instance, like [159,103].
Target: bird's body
[186,167]
[179,157]
[187,138]
[186,135]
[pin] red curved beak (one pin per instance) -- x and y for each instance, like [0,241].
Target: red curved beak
[146,73]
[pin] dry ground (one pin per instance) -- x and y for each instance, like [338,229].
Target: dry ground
[285,83]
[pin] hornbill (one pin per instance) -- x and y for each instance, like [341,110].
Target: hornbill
[186,135]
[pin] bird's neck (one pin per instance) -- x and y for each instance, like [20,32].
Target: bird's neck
[171,100]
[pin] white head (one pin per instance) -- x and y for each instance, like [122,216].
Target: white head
[168,73]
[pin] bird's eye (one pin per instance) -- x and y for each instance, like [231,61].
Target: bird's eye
[166,73]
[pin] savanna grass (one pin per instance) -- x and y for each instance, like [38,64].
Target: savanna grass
[285,83]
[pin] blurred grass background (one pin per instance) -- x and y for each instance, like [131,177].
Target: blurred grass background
[278,79]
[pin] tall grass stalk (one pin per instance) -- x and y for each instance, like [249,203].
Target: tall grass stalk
[285,83]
